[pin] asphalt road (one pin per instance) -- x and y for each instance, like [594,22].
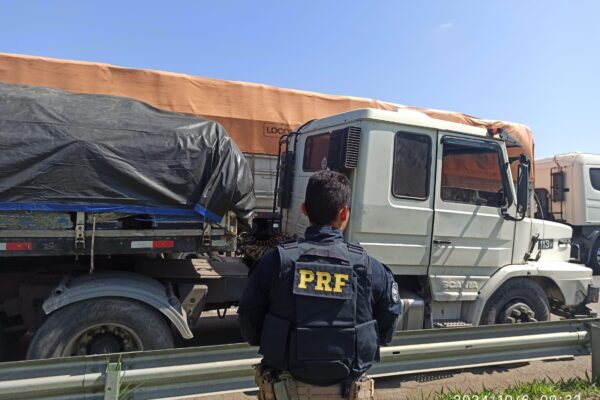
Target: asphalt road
[212,330]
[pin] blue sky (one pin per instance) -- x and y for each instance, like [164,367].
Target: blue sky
[535,62]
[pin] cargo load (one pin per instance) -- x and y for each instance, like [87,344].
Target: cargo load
[255,115]
[96,153]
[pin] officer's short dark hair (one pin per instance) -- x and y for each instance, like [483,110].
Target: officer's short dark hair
[327,193]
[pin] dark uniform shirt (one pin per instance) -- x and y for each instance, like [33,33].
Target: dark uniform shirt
[256,299]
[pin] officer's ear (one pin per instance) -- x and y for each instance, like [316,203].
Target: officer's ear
[303,209]
[344,214]
[342,218]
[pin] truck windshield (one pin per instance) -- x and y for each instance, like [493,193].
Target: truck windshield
[472,175]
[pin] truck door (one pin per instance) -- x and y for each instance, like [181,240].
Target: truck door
[393,195]
[471,239]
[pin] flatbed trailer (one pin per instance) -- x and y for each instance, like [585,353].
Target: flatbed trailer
[80,233]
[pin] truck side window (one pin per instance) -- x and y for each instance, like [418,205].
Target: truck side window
[316,149]
[471,174]
[542,199]
[595,177]
[412,163]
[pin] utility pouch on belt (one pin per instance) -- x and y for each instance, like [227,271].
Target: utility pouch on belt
[264,379]
[362,389]
[285,388]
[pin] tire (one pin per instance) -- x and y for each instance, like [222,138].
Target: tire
[98,326]
[515,299]
[594,262]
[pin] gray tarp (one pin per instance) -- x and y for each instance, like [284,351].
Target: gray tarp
[82,152]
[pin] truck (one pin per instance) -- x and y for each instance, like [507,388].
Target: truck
[567,190]
[436,201]
[445,205]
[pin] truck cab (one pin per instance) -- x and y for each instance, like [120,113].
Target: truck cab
[435,201]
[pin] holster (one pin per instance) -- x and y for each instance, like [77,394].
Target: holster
[265,379]
[362,389]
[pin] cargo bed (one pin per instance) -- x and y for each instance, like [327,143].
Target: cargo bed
[31,233]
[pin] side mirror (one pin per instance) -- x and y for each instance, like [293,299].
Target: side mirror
[523,185]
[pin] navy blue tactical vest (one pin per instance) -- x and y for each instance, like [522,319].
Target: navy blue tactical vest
[320,326]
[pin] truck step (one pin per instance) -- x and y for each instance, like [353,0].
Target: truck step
[450,323]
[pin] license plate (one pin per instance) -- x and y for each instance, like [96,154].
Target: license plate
[545,244]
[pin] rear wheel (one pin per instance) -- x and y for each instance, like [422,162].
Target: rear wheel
[516,301]
[99,326]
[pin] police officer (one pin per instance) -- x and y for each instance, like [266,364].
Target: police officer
[319,308]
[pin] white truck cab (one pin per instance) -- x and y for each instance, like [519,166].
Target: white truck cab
[568,191]
[435,202]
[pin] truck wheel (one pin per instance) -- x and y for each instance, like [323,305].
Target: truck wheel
[517,300]
[2,341]
[594,263]
[99,326]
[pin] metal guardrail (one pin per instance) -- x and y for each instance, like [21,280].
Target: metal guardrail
[226,368]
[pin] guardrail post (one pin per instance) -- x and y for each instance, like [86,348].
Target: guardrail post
[112,383]
[595,332]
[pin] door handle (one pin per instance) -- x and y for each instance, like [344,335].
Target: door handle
[442,242]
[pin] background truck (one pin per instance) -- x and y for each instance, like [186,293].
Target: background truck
[127,282]
[568,190]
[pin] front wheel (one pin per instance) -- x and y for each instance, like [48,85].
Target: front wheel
[594,262]
[99,326]
[517,300]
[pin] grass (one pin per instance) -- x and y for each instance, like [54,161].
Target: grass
[546,389]
[124,390]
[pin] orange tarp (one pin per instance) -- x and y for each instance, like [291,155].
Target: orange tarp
[255,115]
